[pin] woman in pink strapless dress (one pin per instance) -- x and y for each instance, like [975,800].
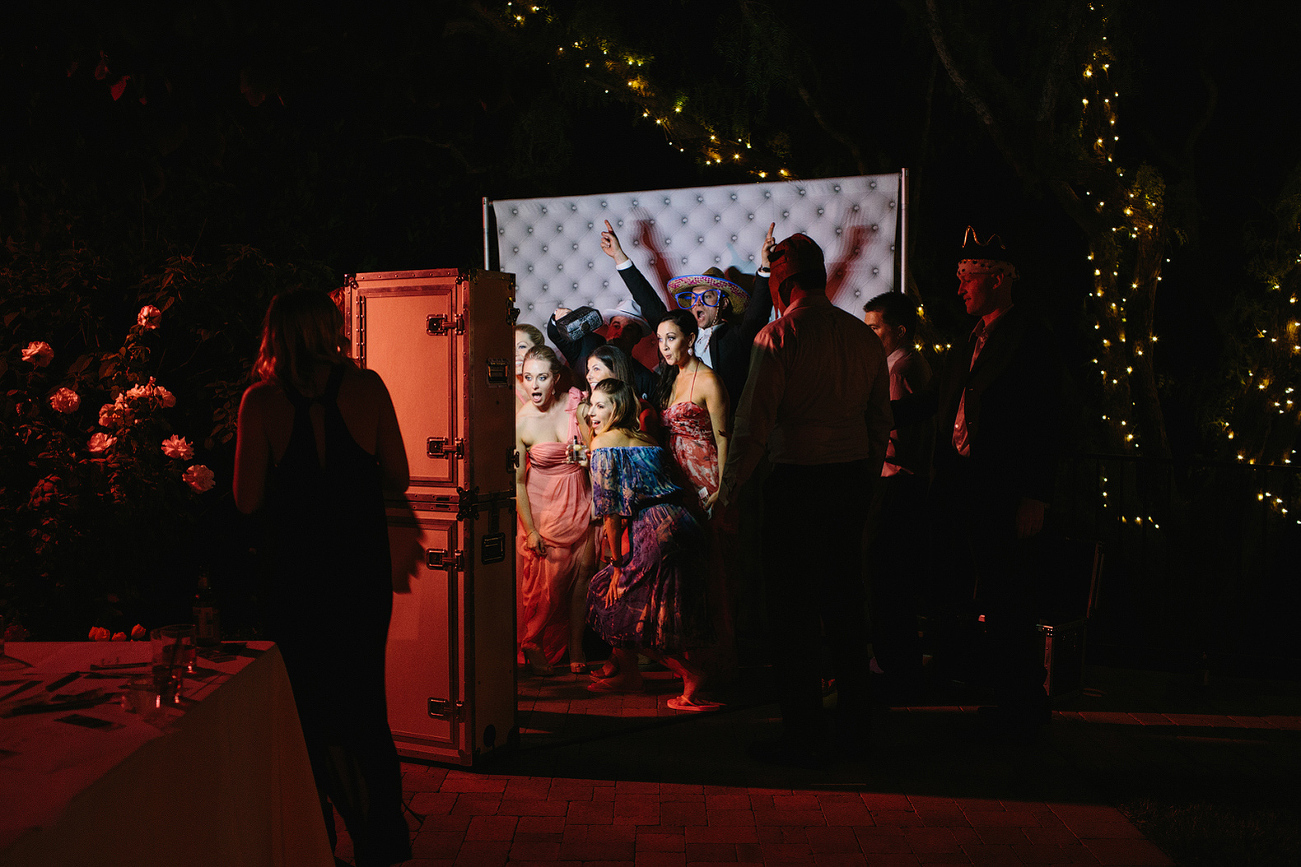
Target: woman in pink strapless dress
[554,504]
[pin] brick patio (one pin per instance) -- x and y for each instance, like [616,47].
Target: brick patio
[622,780]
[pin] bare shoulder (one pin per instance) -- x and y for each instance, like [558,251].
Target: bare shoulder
[611,439]
[362,379]
[260,396]
[710,380]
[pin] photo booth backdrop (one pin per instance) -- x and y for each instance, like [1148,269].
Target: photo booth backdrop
[553,246]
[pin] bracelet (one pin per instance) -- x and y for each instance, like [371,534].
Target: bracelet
[763,271]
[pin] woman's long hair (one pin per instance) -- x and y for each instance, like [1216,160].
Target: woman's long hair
[623,397]
[615,359]
[303,328]
[668,373]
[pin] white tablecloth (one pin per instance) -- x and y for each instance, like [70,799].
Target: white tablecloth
[225,780]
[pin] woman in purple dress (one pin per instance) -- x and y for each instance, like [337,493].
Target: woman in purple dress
[650,598]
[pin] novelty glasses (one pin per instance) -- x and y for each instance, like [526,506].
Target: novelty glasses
[688,299]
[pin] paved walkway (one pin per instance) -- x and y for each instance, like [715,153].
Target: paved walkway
[624,781]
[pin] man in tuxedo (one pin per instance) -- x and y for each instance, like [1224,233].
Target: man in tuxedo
[728,318]
[997,443]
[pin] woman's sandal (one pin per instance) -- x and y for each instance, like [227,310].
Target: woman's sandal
[537,661]
[605,672]
[681,702]
[610,685]
[577,667]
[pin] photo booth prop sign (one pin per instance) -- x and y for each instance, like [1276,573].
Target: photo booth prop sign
[553,246]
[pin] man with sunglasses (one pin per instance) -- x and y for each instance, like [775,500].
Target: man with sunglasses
[728,324]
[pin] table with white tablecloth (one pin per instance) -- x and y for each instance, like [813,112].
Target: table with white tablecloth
[222,779]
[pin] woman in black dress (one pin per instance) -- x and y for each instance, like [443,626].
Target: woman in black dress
[318,445]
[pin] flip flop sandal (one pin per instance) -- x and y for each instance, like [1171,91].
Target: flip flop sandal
[608,687]
[681,702]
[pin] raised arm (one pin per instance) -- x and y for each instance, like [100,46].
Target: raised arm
[569,350]
[651,304]
[759,310]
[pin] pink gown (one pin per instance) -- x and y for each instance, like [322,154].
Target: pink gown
[690,438]
[560,498]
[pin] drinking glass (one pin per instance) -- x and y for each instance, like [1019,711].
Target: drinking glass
[174,650]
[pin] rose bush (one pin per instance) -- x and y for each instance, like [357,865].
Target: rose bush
[81,471]
[103,524]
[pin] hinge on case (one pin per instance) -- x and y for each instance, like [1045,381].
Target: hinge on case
[441,558]
[436,447]
[439,323]
[453,711]
[467,505]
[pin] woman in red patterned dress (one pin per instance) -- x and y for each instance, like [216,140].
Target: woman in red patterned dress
[695,414]
[693,406]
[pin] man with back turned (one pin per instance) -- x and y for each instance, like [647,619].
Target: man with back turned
[817,399]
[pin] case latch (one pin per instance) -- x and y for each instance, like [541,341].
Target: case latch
[441,323]
[452,711]
[441,558]
[437,447]
[499,372]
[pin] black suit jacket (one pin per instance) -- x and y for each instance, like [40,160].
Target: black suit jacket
[1013,411]
[576,353]
[730,344]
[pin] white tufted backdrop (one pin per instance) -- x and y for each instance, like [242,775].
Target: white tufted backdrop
[553,245]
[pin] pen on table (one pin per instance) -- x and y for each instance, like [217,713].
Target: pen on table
[13,692]
[63,681]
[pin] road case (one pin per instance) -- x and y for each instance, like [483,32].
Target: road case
[451,646]
[1063,645]
[443,342]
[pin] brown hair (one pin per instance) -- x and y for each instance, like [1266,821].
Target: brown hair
[625,403]
[534,335]
[303,328]
[547,354]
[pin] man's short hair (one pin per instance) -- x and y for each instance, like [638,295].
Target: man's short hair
[896,310]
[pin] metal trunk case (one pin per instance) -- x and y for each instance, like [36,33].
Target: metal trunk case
[443,342]
[451,644]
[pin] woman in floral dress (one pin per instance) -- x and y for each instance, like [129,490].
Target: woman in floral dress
[693,406]
[649,598]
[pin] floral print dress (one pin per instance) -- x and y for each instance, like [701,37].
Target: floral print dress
[662,574]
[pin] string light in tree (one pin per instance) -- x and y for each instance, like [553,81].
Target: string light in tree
[613,68]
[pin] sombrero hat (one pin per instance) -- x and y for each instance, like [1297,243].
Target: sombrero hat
[712,279]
